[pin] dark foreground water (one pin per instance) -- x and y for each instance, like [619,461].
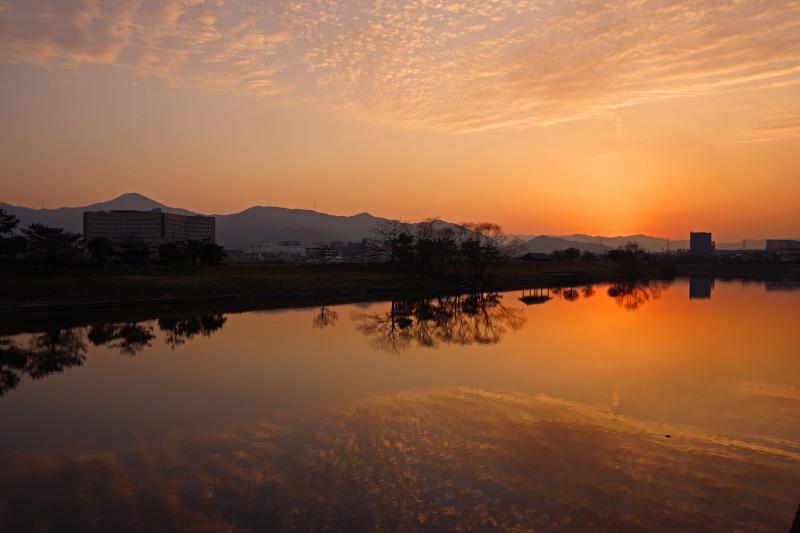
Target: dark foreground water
[665,407]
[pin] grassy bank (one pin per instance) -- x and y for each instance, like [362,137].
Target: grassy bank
[263,281]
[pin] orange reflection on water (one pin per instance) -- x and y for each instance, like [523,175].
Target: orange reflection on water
[485,413]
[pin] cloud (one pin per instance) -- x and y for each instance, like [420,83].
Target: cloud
[191,43]
[442,459]
[502,64]
[787,127]
[470,65]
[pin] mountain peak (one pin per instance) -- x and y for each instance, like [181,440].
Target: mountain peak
[128,196]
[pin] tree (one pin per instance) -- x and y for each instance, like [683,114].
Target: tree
[170,252]
[388,232]
[8,222]
[482,245]
[133,251]
[12,246]
[630,258]
[51,247]
[101,249]
[212,253]
[572,254]
[588,256]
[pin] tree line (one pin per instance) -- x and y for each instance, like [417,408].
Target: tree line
[469,248]
[52,247]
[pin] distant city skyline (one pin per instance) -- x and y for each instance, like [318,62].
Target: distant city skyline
[546,117]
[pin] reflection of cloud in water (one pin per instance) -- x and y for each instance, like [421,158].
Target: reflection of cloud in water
[448,459]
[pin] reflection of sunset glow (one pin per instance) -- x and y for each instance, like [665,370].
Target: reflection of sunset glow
[489,413]
[446,458]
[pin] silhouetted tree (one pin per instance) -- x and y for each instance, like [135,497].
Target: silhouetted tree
[171,252]
[46,353]
[132,251]
[10,245]
[388,232]
[479,318]
[588,256]
[571,254]
[51,247]
[179,330]
[325,317]
[101,249]
[403,248]
[570,294]
[8,222]
[631,296]
[632,260]
[212,253]
[128,337]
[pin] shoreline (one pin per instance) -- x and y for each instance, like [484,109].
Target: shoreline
[154,292]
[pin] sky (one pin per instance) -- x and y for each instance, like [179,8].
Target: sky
[546,116]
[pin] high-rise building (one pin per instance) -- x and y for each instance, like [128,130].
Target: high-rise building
[151,227]
[700,243]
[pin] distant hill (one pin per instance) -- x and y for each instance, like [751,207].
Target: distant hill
[71,218]
[253,225]
[260,223]
[658,244]
[547,244]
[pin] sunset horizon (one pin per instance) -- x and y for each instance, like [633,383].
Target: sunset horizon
[544,117]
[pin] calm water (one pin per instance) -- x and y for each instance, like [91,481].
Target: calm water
[544,409]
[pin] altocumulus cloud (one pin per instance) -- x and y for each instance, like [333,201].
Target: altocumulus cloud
[190,43]
[451,66]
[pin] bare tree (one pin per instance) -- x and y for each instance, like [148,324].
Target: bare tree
[389,232]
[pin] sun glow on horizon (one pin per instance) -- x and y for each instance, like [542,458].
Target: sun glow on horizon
[546,117]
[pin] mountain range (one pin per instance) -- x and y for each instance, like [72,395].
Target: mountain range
[267,223]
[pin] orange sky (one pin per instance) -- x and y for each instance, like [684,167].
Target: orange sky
[545,116]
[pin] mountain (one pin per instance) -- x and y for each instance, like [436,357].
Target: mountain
[653,244]
[253,225]
[547,244]
[658,244]
[260,224]
[71,218]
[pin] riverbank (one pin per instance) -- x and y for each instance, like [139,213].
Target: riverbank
[98,287]
[245,286]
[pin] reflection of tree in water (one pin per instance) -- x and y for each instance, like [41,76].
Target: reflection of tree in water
[325,317]
[129,337]
[570,294]
[179,330]
[479,318]
[631,296]
[55,350]
[46,353]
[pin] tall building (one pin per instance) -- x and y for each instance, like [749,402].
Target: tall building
[700,243]
[151,227]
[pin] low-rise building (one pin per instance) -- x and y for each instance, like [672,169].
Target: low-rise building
[783,245]
[150,227]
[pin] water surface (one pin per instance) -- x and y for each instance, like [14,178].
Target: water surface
[609,407]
